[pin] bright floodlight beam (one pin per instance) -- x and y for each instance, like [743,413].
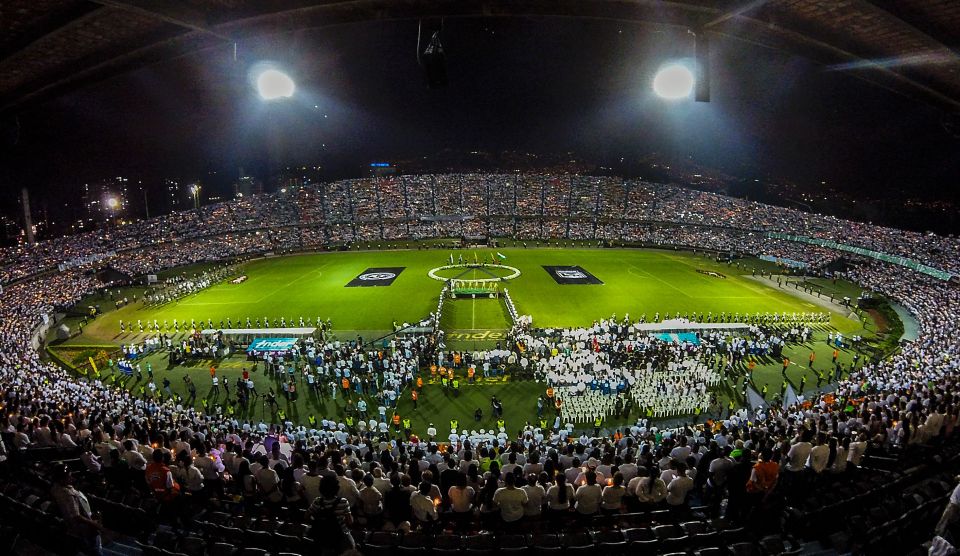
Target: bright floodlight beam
[673,82]
[274,84]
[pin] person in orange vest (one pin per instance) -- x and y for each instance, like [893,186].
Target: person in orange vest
[160,479]
[450,374]
[559,405]
[433,372]
[550,392]
[213,371]
[836,354]
[751,365]
[396,423]
[413,396]
[419,383]
[456,359]
[345,384]
[471,371]
[786,363]
[812,357]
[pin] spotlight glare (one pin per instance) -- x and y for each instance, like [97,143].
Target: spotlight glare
[673,82]
[273,84]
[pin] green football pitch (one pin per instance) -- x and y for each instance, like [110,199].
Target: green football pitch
[310,285]
[634,281]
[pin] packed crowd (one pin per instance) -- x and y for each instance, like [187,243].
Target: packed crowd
[528,207]
[341,473]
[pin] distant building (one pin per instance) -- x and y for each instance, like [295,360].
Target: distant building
[246,185]
[296,177]
[174,194]
[380,169]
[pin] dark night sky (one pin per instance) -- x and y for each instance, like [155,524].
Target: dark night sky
[546,86]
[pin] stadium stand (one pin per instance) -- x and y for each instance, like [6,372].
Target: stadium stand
[867,468]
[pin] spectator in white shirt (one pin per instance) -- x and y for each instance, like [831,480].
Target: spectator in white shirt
[613,494]
[535,494]
[679,487]
[819,455]
[798,454]
[589,495]
[510,499]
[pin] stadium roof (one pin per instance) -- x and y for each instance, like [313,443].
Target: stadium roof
[48,47]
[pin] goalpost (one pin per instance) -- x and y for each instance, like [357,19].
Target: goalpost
[481,287]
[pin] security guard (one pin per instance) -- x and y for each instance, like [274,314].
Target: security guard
[349,422]
[543,424]
[312,420]
[396,422]
[456,386]
[454,425]
[282,415]
[501,424]
[597,423]
[406,426]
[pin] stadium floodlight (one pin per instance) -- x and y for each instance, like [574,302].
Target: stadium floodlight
[673,82]
[273,84]
[195,192]
[112,202]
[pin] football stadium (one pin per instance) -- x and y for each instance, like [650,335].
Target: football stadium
[468,355]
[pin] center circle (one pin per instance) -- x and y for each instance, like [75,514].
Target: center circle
[434,272]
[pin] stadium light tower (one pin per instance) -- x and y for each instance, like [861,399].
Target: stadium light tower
[273,84]
[195,192]
[673,82]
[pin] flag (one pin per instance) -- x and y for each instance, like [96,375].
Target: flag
[790,397]
[461,258]
[475,260]
[502,256]
[755,400]
[451,258]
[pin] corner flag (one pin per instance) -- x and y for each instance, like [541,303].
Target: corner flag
[502,256]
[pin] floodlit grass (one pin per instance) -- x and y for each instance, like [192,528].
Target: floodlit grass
[311,285]
[635,282]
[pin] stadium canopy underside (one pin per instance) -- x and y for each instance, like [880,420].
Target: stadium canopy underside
[48,47]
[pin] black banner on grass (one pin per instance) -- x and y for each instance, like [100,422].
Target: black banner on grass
[380,276]
[571,275]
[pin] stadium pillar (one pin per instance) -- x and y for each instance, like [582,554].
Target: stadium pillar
[27,219]
[702,81]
